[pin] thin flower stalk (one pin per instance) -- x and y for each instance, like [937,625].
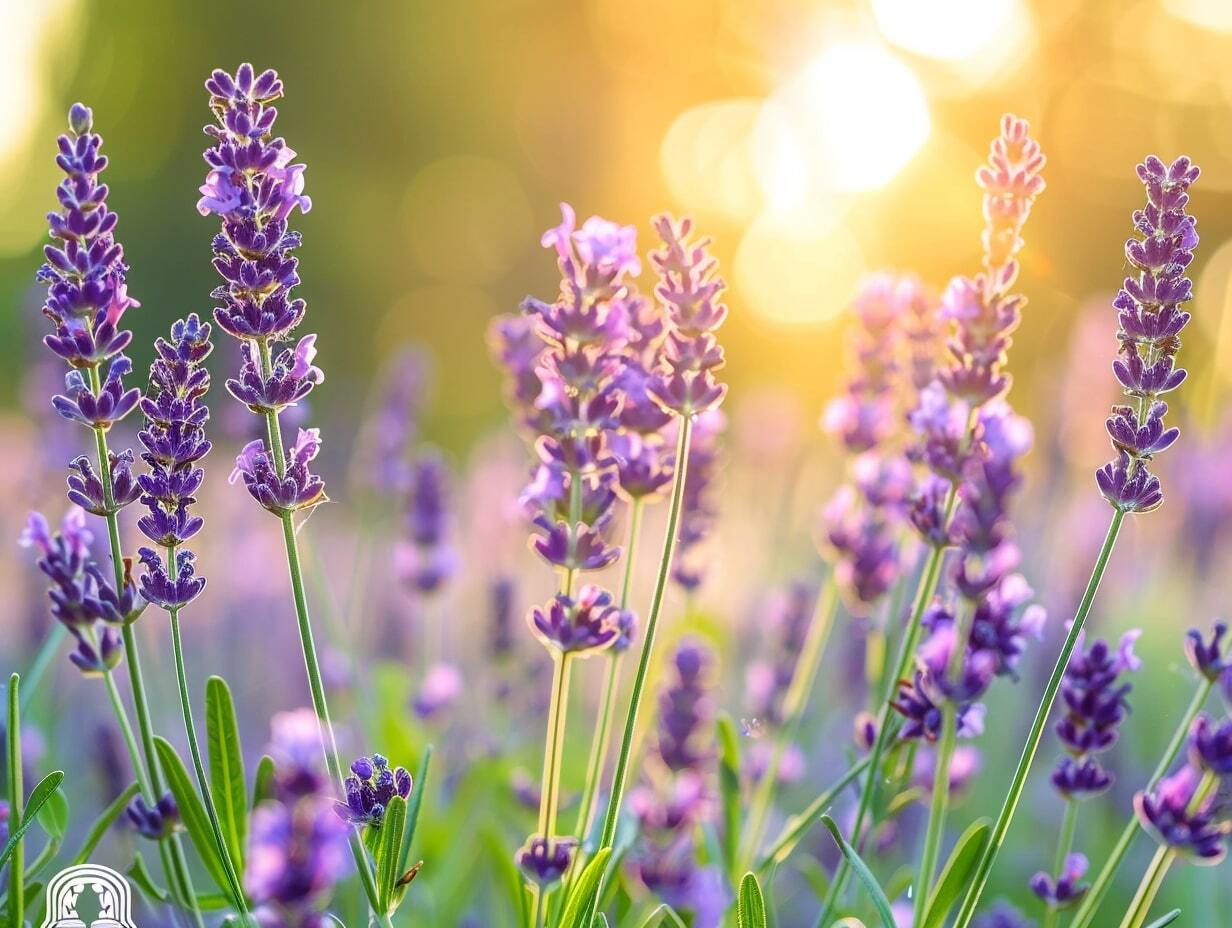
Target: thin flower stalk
[1150,322]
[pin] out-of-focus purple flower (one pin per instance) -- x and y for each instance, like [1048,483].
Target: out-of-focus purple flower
[1067,888]
[1002,915]
[919,702]
[370,788]
[296,853]
[1150,322]
[785,626]
[388,436]
[1178,818]
[699,508]
[965,763]
[580,625]
[441,686]
[1208,658]
[85,270]
[295,747]
[155,822]
[426,559]
[1210,746]
[1094,696]
[544,862]
[1080,777]
[501,595]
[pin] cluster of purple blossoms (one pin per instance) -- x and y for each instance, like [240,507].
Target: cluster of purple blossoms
[1150,322]
[82,598]
[157,821]
[369,790]
[426,560]
[175,443]
[675,795]
[785,627]
[392,431]
[1184,812]
[582,624]
[1095,706]
[1209,658]
[253,187]
[297,845]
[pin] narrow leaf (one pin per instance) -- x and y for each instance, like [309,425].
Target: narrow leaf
[192,813]
[389,851]
[53,817]
[140,875]
[48,785]
[263,782]
[1166,920]
[102,823]
[663,915]
[226,767]
[956,873]
[861,870]
[584,891]
[750,904]
[412,809]
[729,789]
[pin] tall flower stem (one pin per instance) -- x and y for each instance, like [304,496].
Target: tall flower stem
[1099,887]
[17,798]
[312,664]
[910,639]
[1019,781]
[1065,843]
[190,729]
[652,624]
[603,733]
[936,811]
[804,675]
[178,870]
[553,752]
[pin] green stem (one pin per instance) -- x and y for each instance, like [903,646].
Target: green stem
[906,651]
[190,729]
[1147,890]
[804,675]
[1099,888]
[936,811]
[652,623]
[1019,781]
[1065,843]
[17,797]
[553,753]
[316,686]
[42,660]
[798,825]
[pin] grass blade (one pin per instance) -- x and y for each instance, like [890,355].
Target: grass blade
[861,870]
[957,872]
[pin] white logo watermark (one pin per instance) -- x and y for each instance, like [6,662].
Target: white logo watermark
[89,896]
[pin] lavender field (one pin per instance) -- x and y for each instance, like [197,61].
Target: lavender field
[720,465]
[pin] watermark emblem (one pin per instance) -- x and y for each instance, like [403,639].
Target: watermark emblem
[89,896]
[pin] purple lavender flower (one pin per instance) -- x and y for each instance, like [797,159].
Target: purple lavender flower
[1095,706]
[1150,322]
[1002,915]
[544,862]
[1210,746]
[676,793]
[1066,889]
[1179,817]
[1209,659]
[369,790]
[426,560]
[102,409]
[296,853]
[253,187]
[786,625]
[501,595]
[580,626]
[85,270]
[389,435]
[85,487]
[157,821]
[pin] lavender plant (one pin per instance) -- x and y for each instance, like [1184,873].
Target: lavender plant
[1150,322]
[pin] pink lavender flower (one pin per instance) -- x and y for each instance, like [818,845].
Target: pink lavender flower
[1150,324]
[441,687]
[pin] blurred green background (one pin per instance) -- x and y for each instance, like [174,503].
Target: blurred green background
[813,141]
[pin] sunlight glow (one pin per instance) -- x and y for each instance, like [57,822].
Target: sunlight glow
[850,121]
[1215,15]
[951,30]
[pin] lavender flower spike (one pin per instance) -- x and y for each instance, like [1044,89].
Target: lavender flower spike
[1150,324]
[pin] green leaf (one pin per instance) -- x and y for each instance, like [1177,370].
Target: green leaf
[584,891]
[729,788]
[412,809]
[263,783]
[1166,920]
[861,870]
[664,914]
[192,813]
[750,904]
[957,873]
[105,820]
[38,798]
[389,851]
[214,902]
[226,767]
[140,875]
[53,817]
